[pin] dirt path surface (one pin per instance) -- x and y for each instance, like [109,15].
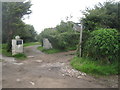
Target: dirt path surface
[41,70]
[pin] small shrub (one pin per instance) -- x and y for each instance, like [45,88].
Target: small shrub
[103,45]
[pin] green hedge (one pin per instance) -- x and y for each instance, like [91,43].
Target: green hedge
[103,45]
[64,40]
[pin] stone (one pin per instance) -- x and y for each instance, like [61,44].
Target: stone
[18,80]
[38,61]
[18,63]
[30,56]
[17,37]
[72,72]
[46,44]
[63,75]
[32,83]
[79,77]
[83,74]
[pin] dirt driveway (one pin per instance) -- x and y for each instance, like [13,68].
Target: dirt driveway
[41,70]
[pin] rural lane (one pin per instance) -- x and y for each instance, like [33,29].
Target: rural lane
[42,70]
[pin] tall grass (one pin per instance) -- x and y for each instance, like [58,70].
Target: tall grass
[94,67]
[49,51]
[31,44]
[3,50]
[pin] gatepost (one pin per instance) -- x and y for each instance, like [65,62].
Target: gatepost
[17,45]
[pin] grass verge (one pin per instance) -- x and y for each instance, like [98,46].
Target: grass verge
[20,56]
[49,51]
[3,50]
[94,67]
[31,44]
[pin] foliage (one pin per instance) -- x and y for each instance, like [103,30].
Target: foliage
[31,44]
[20,56]
[40,48]
[94,67]
[3,50]
[64,40]
[29,35]
[46,33]
[103,45]
[0,48]
[49,51]
[104,15]
[85,37]
[12,15]
[65,27]
[62,36]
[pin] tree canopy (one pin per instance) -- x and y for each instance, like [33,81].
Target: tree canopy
[12,24]
[104,15]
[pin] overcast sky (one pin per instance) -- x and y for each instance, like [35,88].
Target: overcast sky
[49,13]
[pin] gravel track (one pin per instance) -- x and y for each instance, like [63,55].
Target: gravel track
[42,70]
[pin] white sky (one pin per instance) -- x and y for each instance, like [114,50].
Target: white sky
[49,13]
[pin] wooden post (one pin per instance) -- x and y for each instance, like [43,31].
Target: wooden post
[81,29]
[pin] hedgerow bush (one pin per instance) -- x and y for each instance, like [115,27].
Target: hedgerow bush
[103,45]
[45,34]
[63,36]
[64,40]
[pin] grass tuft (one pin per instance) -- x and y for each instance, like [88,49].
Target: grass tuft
[20,56]
[49,51]
[94,67]
[31,44]
[3,50]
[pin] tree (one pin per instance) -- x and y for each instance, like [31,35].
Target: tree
[65,27]
[104,15]
[12,12]
[45,33]
[30,34]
